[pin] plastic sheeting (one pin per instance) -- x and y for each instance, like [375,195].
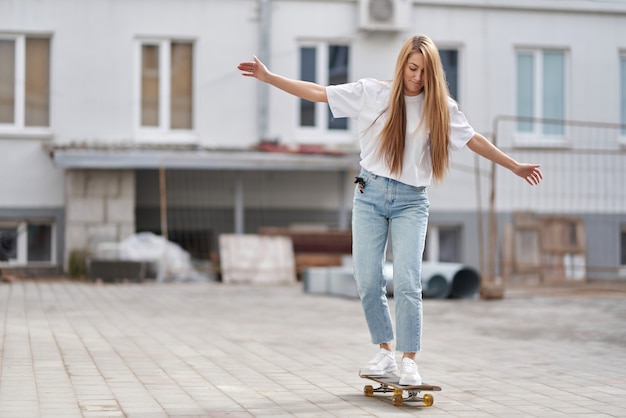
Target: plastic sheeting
[172,263]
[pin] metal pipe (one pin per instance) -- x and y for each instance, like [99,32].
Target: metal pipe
[265,15]
[441,280]
[240,225]
[342,218]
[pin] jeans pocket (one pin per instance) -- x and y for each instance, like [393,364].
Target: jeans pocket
[367,176]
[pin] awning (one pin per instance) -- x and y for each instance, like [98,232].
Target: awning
[200,159]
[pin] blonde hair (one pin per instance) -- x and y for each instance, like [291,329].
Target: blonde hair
[436,114]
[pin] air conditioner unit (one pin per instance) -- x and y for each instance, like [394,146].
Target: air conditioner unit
[384,15]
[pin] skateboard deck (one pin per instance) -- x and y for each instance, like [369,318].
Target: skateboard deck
[389,383]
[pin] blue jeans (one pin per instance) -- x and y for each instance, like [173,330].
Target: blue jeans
[384,204]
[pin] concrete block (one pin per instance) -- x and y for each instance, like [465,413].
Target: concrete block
[341,282]
[127,183]
[315,280]
[101,183]
[256,259]
[97,234]
[85,209]
[334,281]
[120,209]
[75,237]
[74,183]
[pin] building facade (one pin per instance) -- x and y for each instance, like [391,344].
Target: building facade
[114,113]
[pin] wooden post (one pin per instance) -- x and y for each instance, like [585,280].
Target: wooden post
[491,287]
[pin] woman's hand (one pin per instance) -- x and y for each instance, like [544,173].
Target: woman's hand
[254,68]
[529,172]
[303,89]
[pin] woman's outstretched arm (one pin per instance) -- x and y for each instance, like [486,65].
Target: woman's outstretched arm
[304,89]
[481,146]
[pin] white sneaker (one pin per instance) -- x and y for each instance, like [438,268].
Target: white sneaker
[409,376]
[383,363]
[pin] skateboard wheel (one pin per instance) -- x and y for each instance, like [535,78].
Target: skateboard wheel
[429,400]
[396,400]
[368,390]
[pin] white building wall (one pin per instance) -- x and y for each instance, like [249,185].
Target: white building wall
[94,54]
[28,175]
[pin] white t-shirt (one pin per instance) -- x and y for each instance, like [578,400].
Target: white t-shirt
[365,100]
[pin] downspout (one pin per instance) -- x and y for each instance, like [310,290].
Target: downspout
[265,15]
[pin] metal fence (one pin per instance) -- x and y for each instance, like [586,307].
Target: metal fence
[572,226]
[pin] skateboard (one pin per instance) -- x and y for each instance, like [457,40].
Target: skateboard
[390,383]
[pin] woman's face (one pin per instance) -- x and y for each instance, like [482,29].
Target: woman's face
[414,74]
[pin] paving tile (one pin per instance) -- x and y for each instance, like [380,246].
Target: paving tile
[71,348]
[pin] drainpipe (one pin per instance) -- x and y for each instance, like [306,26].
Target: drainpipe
[265,15]
[240,222]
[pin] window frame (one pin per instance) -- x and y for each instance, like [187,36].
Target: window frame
[622,263]
[432,250]
[18,128]
[537,138]
[320,131]
[21,227]
[163,133]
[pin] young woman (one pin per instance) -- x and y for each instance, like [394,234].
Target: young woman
[406,129]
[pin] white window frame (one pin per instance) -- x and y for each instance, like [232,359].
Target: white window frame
[537,138]
[22,243]
[432,237]
[320,132]
[162,133]
[18,128]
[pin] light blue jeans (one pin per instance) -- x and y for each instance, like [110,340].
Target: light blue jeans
[383,204]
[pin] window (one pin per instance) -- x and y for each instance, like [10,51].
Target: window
[166,85]
[325,64]
[8,243]
[443,243]
[24,81]
[450,61]
[39,242]
[27,242]
[541,76]
[622,260]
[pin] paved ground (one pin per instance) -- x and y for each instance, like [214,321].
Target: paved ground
[76,349]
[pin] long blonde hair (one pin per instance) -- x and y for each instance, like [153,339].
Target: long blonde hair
[436,113]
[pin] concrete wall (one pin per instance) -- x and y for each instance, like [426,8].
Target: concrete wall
[100,207]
